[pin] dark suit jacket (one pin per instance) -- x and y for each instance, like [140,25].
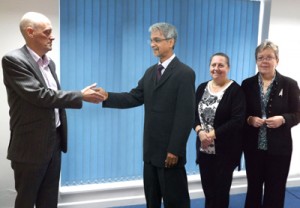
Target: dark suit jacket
[169,110]
[32,103]
[284,101]
[228,122]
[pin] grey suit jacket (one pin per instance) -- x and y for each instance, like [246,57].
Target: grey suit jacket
[32,103]
[169,110]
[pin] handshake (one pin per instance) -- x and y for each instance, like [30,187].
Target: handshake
[94,94]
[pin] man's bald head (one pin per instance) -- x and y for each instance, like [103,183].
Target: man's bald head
[32,19]
[36,29]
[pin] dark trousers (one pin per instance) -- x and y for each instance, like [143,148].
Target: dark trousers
[169,184]
[216,178]
[37,184]
[267,175]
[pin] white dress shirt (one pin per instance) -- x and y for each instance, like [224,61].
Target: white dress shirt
[43,63]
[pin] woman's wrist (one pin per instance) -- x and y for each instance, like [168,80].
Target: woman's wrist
[198,131]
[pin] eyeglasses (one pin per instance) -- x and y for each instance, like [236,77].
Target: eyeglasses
[260,59]
[157,40]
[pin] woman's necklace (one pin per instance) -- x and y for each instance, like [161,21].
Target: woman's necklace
[218,87]
[266,85]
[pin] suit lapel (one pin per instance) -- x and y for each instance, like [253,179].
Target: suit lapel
[254,88]
[52,69]
[37,70]
[168,72]
[278,86]
[35,66]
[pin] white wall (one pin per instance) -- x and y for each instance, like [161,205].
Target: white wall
[285,32]
[11,12]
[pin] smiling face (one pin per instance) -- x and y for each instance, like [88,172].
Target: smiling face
[219,68]
[267,62]
[162,47]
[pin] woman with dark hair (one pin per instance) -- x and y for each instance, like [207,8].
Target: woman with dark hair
[220,114]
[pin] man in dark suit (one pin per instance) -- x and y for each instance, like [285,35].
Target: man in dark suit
[168,95]
[37,117]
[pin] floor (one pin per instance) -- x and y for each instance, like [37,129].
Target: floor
[292,200]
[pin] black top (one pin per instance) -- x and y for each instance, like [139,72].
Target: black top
[228,122]
[284,101]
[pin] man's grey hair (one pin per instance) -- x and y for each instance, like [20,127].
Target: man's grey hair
[169,31]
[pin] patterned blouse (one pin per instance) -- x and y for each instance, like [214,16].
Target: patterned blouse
[207,109]
[264,98]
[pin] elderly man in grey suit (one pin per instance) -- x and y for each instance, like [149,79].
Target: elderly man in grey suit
[167,91]
[37,117]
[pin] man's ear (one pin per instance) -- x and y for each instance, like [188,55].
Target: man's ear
[29,32]
[172,42]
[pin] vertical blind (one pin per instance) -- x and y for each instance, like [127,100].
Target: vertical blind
[105,41]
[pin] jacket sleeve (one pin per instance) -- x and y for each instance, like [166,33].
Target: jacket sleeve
[184,115]
[125,100]
[292,117]
[20,77]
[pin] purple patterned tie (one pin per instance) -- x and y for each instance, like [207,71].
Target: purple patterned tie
[158,72]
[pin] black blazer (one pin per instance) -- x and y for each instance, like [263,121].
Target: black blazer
[284,101]
[32,103]
[228,122]
[169,110]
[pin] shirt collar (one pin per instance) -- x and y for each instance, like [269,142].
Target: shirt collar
[167,62]
[260,78]
[42,61]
